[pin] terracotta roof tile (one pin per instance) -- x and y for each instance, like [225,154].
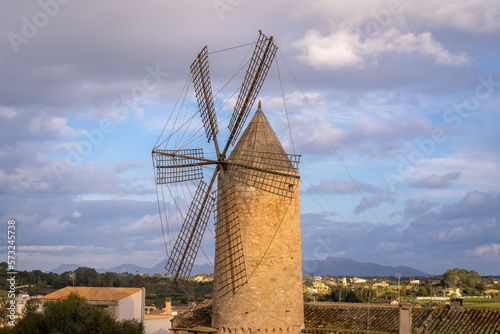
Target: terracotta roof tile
[353,318]
[156,316]
[464,321]
[93,293]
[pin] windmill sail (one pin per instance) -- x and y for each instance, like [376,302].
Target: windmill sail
[229,246]
[203,88]
[263,56]
[178,165]
[188,242]
[272,172]
[264,167]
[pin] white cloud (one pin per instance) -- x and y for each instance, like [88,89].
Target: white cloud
[44,123]
[486,251]
[50,248]
[126,165]
[71,146]
[7,113]
[76,214]
[477,16]
[365,135]
[436,181]
[139,226]
[347,48]
[53,224]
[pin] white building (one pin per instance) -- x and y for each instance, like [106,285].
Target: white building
[121,303]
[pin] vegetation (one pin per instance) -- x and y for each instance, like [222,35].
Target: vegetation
[463,282]
[470,282]
[493,303]
[71,315]
[158,287]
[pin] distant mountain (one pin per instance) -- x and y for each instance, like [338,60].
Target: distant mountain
[64,268]
[341,266]
[333,266]
[133,269]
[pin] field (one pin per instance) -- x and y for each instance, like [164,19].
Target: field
[493,303]
[4,293]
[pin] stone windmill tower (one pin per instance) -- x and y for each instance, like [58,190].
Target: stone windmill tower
[257,269]
[271,299]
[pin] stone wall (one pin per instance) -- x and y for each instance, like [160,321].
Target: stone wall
[271,301]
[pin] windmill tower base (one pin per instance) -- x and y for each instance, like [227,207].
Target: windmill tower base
[272,300]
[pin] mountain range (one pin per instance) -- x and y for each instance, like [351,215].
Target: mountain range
[333,266]
[341,266]
[134,269]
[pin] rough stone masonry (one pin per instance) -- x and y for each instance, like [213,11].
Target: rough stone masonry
[271,301]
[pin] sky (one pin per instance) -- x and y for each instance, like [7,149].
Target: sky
[393,105]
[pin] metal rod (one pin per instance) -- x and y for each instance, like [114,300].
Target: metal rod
[175,155]
[261,169]
[188,165]
[210,112]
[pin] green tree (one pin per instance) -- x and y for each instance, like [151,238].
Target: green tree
[468,281]
[71,315]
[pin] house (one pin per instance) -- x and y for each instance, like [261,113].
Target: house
[202,278]
[382,284]
[357,280]
[321,288]
[158,321]
[121,303]
[453,292]
[415,283]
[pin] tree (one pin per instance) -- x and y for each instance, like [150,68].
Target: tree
[424,290]
[71,315]
[469,281]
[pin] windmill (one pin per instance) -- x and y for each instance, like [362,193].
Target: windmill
[268,171]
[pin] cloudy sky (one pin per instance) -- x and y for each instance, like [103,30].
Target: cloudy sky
[393,105]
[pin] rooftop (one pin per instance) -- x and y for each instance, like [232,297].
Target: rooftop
[93,293]
[349,318]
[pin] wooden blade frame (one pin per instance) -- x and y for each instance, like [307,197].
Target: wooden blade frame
[203,88]
[178,165]
[229,261]
[272,172]
[189,239]
[262,59]
[185,165]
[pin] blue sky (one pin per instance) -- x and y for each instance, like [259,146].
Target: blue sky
[400,96]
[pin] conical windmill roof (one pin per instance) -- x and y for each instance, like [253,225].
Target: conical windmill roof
[259,137]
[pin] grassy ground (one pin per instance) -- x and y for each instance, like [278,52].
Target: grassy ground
[493,303]
[4,293]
